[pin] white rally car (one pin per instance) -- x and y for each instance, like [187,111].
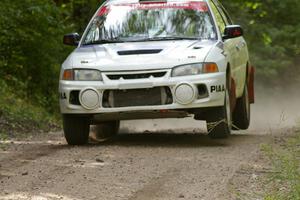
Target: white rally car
[156,59]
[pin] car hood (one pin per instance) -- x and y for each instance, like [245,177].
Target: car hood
[139,55]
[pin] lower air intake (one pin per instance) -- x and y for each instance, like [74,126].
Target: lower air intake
[137,97]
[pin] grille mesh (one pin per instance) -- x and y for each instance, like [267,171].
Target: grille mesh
[137,97]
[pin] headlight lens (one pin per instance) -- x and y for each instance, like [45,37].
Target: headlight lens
[87,75]
[194,69]
[187,70]
[82,75]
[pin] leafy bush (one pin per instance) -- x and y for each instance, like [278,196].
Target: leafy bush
[18,116]
[80,12]
[31,51]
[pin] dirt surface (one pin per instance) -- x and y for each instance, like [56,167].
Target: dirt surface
[163,160]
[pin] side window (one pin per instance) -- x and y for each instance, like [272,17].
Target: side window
[220,21]
[226,15]
[223,12]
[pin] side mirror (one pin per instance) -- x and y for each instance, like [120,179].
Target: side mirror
[233,31]
[71,39]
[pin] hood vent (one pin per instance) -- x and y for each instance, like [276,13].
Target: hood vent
[141,51]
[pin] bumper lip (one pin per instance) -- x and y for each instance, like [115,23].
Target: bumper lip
[214,99]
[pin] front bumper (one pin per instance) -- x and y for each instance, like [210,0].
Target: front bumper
[214,83]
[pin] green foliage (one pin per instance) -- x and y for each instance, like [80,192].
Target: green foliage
[19,116]
[3,137]
[81,11]
[272,30]
[31,51]
[286,162]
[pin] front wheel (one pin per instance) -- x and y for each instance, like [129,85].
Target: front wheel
[219,121]
[76,129]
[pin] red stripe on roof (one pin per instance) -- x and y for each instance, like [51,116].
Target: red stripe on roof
[103,11]
[200,6]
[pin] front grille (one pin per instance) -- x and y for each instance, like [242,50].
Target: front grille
[137,97]
[136,76]
[139,51]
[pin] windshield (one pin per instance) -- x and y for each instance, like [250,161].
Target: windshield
[150,21]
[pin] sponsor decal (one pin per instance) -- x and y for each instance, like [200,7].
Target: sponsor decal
[63,95]
[199,6]
[103,11]
[217,88]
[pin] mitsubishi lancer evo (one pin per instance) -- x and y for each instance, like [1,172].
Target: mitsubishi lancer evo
[156,59]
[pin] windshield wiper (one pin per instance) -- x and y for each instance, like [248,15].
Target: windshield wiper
[104,41]
[110,41]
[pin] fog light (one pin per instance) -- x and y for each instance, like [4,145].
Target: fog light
[89,98]
[185,93]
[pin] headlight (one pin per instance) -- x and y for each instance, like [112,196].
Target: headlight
[82,75]
[194,69]
[87,75]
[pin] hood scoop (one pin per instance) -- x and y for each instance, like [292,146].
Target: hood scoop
[139,51]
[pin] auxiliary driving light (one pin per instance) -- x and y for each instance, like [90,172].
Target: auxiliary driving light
[89,98]
[185,93]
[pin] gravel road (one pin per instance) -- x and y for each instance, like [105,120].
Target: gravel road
[144,162]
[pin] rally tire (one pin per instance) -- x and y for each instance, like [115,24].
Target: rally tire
[219,120]
[76,129]
[242,112]
[105,130]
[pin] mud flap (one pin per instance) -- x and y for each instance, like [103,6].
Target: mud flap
[251,76]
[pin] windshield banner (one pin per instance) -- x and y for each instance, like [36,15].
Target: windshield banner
[199,6]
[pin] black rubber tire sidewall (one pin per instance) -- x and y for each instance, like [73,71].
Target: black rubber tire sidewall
[223,129]
[76,129]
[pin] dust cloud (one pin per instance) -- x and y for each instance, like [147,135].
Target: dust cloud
[276,108]
[273,109]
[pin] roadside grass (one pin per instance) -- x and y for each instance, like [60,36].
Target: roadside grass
[284,182]
[3,137]
[19,117]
